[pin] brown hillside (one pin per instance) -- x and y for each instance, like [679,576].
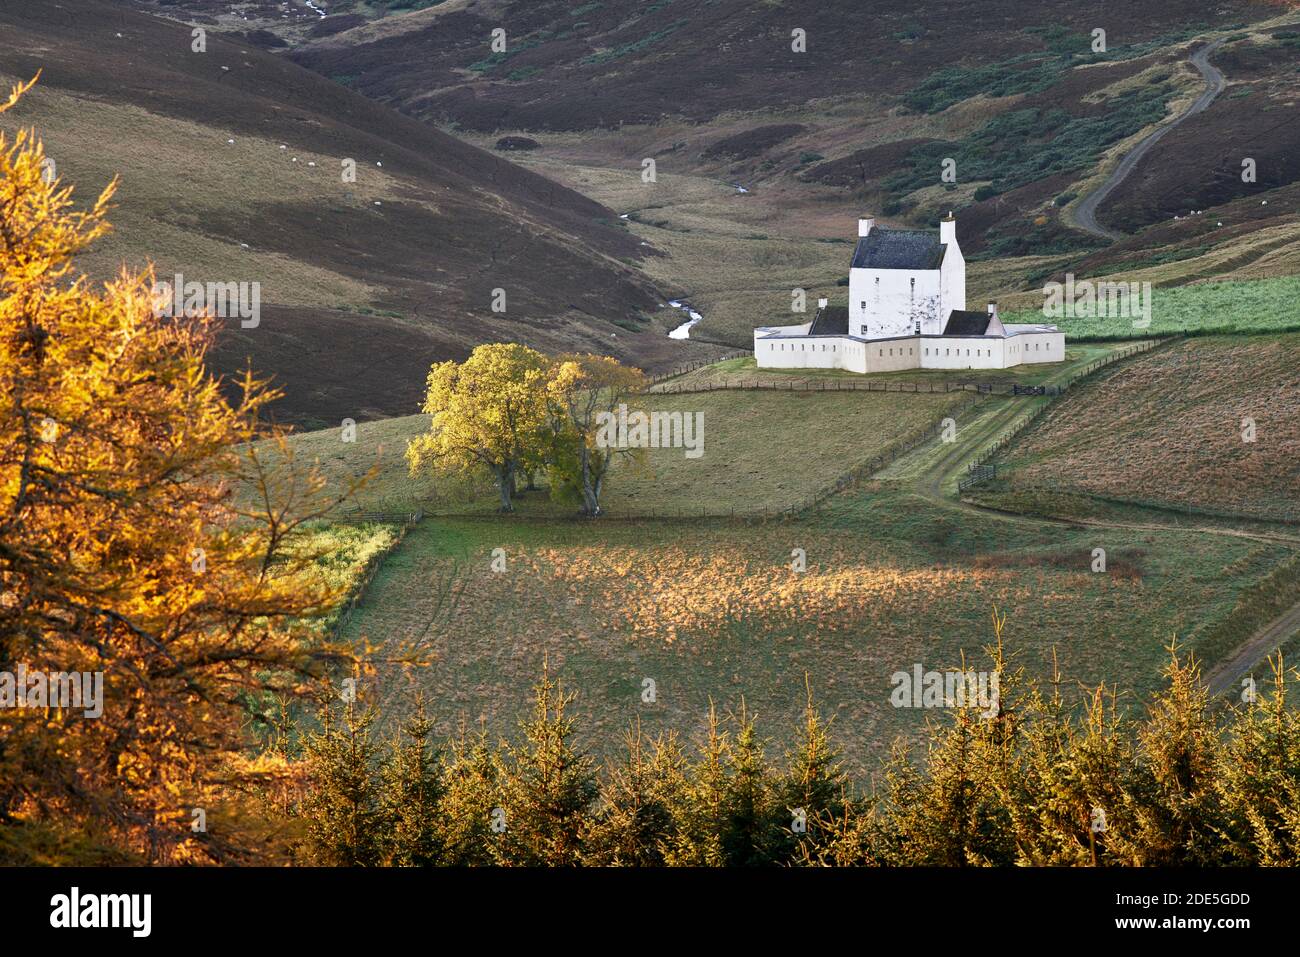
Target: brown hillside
[362,284]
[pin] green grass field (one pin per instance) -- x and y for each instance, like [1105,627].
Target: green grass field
[898,571]
[341,555]
[715,612]
[1260,305]
[818,437]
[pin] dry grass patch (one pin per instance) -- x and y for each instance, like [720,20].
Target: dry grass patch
[1167,428]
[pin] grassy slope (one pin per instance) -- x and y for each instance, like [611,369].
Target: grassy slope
[1166,429]
[820,436]
[231,170]
[715,612]
[1238,306]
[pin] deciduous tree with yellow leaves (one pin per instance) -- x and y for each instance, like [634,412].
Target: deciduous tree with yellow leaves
[582,390]
[488,411]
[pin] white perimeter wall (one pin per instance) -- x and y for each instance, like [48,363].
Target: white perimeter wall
[1035,347]
[820,352]
[963,352]
[912,352]
[838,352]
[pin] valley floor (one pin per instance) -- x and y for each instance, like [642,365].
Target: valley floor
[900,570]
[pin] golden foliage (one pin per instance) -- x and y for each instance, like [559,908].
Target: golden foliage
[488,411]
[120,549]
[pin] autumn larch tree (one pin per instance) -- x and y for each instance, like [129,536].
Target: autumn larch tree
[122,549]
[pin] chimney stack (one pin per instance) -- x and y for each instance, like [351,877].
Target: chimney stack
[993,309]
[821,303]
[948,229]
[865,226]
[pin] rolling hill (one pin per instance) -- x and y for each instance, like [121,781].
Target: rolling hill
[1018,98]
[765,156]
[231,170]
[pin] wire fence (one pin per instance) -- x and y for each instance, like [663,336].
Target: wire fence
[1024,422]
[697,364]
[359,517]
[1272,514]
[834,384]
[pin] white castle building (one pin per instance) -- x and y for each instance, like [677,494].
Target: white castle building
[907,310]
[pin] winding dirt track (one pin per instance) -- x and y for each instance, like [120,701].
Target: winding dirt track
[1085,214]
[1224,676]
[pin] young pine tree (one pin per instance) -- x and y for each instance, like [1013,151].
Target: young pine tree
[695,838]
[1173,802]
[344,822]
[548,785]
[1258,779]
[814,789]
[754,823]
[470,810]
[410,800]
[635,821]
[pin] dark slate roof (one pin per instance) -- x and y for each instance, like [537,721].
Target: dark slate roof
[830,321]
[967,322]
[898,249]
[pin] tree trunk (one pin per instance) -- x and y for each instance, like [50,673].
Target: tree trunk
[590,489]
[506,486]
